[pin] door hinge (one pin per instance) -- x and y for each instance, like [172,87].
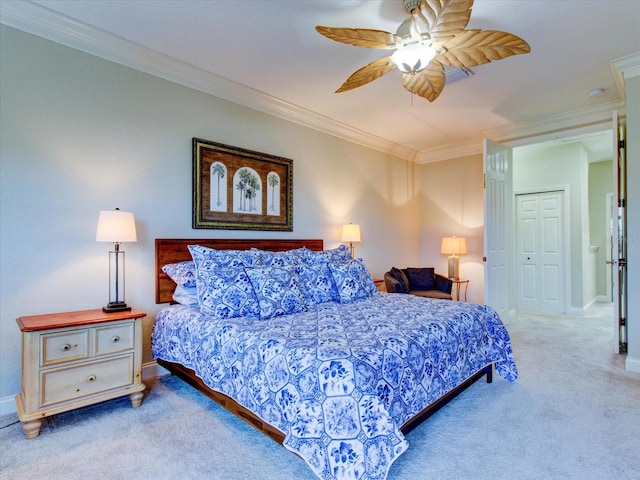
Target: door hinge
[622,203]
[621,144]
[622,348]
[622,322]
[484,181]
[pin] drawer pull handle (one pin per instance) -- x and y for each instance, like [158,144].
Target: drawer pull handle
[91,378]
[115,339]
[66,347]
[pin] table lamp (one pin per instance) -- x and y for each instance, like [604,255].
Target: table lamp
[117,227]
[350,234]
[454,246]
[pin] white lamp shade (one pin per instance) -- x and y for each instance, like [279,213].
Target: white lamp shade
[453,246]
[351,233]
[116,226]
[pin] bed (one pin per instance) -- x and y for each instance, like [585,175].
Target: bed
[339,380]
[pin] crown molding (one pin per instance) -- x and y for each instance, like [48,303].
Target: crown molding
[622,68]
[449,152]
[43,22]
[569,123]
[576,122]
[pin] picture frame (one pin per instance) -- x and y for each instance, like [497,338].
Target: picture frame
[239,189]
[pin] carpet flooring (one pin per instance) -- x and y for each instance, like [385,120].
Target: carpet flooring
[573,414]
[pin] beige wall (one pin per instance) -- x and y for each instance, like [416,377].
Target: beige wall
[452,199]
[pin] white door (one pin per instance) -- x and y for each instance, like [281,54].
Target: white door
[497,221]
[540,272]
[618,238]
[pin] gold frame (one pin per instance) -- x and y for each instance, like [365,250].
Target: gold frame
[253,190]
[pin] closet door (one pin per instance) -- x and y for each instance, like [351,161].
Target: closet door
[540,271]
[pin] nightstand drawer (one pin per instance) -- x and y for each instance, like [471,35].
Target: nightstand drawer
[69,383]
[64,346]
[115,338]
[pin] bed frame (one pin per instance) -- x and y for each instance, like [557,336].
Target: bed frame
[175,250]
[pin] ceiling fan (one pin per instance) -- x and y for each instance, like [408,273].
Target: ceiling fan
[432,37]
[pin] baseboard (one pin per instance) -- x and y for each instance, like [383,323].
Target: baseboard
[590,304]
[149,370]
[152,369]
[7,405]
[576,311]
[632,364]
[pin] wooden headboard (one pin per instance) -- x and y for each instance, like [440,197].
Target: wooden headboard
[172,250]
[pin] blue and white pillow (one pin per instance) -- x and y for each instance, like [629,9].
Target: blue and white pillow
[184,276]
[226,292]
[274,259]
[365,277]
[302,255]
[210,257]
[352,279]
[288,257]
[338,254]
[277,290]
[317,282]
[182,273]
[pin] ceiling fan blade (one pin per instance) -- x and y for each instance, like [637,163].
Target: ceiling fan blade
[444,18]
[360,37]
[367,74]
[428,83]
[475,47]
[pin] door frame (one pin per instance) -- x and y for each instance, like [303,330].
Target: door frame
[608,254]
[514,142]
[619,232]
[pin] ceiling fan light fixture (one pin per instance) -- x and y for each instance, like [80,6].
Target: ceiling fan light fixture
[413,57]
[433,37]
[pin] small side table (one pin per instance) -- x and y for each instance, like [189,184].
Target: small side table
[74,359]
[457,284]
[379,283]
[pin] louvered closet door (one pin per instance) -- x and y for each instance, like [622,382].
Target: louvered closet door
[540,271]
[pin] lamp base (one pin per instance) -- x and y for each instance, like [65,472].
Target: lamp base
[116,307]
[454,267]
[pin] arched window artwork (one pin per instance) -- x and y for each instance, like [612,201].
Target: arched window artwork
[247,191]
[218,187]
[239,189]
[273,194]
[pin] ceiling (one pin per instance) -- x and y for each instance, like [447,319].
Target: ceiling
[266,54]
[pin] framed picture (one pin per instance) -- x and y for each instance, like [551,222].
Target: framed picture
[238,189]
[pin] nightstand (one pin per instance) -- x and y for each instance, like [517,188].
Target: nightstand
[74,359]
[379,283]
[457,284]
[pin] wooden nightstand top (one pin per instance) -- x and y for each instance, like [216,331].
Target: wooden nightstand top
[35,323]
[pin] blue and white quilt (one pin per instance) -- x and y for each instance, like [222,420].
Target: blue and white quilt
[340,379]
